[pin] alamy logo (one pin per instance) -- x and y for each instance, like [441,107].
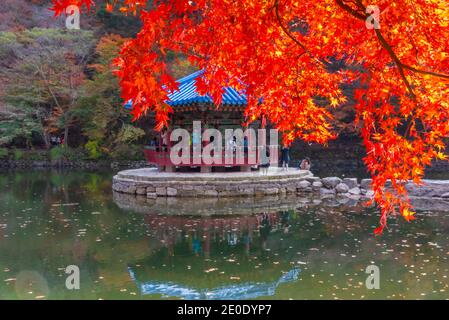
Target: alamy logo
[373,280]
[237,148]
[72,22]
[72,282]
[373,20]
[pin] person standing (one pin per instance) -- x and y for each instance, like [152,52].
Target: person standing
[245,145]
[265,160]
[285,157]
[232,143]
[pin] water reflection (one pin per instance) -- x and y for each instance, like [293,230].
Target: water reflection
[222,250]
[203,231]
[177,248]
[249,290]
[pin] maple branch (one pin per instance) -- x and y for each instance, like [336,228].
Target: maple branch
[355,13]
[382,40]
[396,60]
[430,73]
[401,66]
[288,33]
[405,66]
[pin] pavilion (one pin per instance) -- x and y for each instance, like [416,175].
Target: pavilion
[198,177]
[190,106]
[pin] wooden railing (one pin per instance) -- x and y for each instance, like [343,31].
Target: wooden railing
[242,156]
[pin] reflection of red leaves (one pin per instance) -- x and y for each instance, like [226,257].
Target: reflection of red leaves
[243,44]
[378,231]
[408,214]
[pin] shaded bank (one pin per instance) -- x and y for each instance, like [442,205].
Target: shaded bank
[343,157]
[81,164]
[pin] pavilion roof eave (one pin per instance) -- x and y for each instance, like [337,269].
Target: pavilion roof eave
[187,94]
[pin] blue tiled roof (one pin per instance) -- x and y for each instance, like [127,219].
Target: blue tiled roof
[187,94]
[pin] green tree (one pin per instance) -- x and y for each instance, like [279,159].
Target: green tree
[45,71]
[19,123]
[104,120]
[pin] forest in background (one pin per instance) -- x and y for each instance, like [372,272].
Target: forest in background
[58,96]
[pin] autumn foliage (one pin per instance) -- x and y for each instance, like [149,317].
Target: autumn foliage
[281,50]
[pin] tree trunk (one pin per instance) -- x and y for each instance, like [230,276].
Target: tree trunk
[47,141]
[66,135]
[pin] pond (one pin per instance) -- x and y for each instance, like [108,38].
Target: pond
[51,220]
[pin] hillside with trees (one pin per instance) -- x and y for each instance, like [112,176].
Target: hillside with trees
[58,94]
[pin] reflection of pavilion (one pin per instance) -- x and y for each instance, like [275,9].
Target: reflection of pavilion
[209,206]
[203,231]
[215,257]
[247,290]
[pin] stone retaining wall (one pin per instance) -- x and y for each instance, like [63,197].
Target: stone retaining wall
[265,186]
[216,187]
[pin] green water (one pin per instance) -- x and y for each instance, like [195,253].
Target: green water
[49,221]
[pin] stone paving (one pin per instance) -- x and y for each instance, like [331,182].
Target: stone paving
[152,174]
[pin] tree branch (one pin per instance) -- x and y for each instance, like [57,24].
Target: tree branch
[396,60]
[430,73]
[288,33]
[355,13]
[401,66]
